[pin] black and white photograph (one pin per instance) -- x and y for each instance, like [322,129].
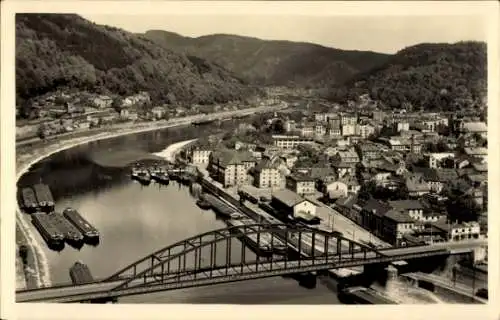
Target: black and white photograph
[248,158]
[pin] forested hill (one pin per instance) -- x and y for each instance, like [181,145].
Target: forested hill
[62,50]
[268,62]
[432,76]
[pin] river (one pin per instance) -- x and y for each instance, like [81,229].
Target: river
[135,220]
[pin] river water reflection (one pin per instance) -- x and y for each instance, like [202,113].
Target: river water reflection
[135,220]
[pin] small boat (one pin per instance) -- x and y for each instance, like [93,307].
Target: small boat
[141,175]
[161,177]
[203,204]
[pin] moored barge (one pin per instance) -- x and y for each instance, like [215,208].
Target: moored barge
[203,121]
[218,206]
[89,232]
[141,175]
[49,232]
[30,204]
[80,273]
[203,204]
[72,235]
[263,244]
[44,197]
[362,295]
[161,177]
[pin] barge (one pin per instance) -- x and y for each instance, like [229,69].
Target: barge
[160,176]
[44,197]
[72,235]
[30,204]
[218,206]
[203,204]
[263,244]
[362,295]
[80,274]
[202,122]
[142,176]
[90,233]
[49,232]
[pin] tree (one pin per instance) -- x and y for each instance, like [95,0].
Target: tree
[277,127]
[367,190]
[461,207]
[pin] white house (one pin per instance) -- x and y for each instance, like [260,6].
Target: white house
[201,156]
[293,204]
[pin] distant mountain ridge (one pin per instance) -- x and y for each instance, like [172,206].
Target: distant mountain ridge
[273,62]
[433,76]
[65,50]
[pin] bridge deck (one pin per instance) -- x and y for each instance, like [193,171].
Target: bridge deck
[251,271]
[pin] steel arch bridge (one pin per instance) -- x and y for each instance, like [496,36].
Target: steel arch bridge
[281,248]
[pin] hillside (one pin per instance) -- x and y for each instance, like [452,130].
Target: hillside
[432,76]
[59,50]
[273,62]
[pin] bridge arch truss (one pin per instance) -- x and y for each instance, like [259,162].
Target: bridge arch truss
[221,253]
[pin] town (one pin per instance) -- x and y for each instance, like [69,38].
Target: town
[405,177]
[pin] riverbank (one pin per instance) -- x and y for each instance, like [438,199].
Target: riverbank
[172,150]
[25,158]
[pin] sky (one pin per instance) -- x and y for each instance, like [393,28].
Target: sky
[387,34]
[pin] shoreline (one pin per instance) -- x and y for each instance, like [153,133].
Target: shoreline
[40,267]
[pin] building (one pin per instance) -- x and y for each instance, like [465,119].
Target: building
[368,151]
[372,215]
[230,167]
[474,127]
[300,184]
[417,186]
[480,153]
[460,231]
[266,174]
[102,102]
[307,130]
[342,168]
[349,157]
[438,178]
[395,226]
[290,203]
[158,112]
[401,126]
[436,158]
[348,129]
[342,187]
[200,155]
[290,142]
[290,125]
[365,130]
[289,160]
[348,119]
[412,208]
[320,129]
[334,130]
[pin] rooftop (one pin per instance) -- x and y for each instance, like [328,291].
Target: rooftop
[398,216]
[377,207]
[228,157]
[475,127]
[406,204]
[288,197]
